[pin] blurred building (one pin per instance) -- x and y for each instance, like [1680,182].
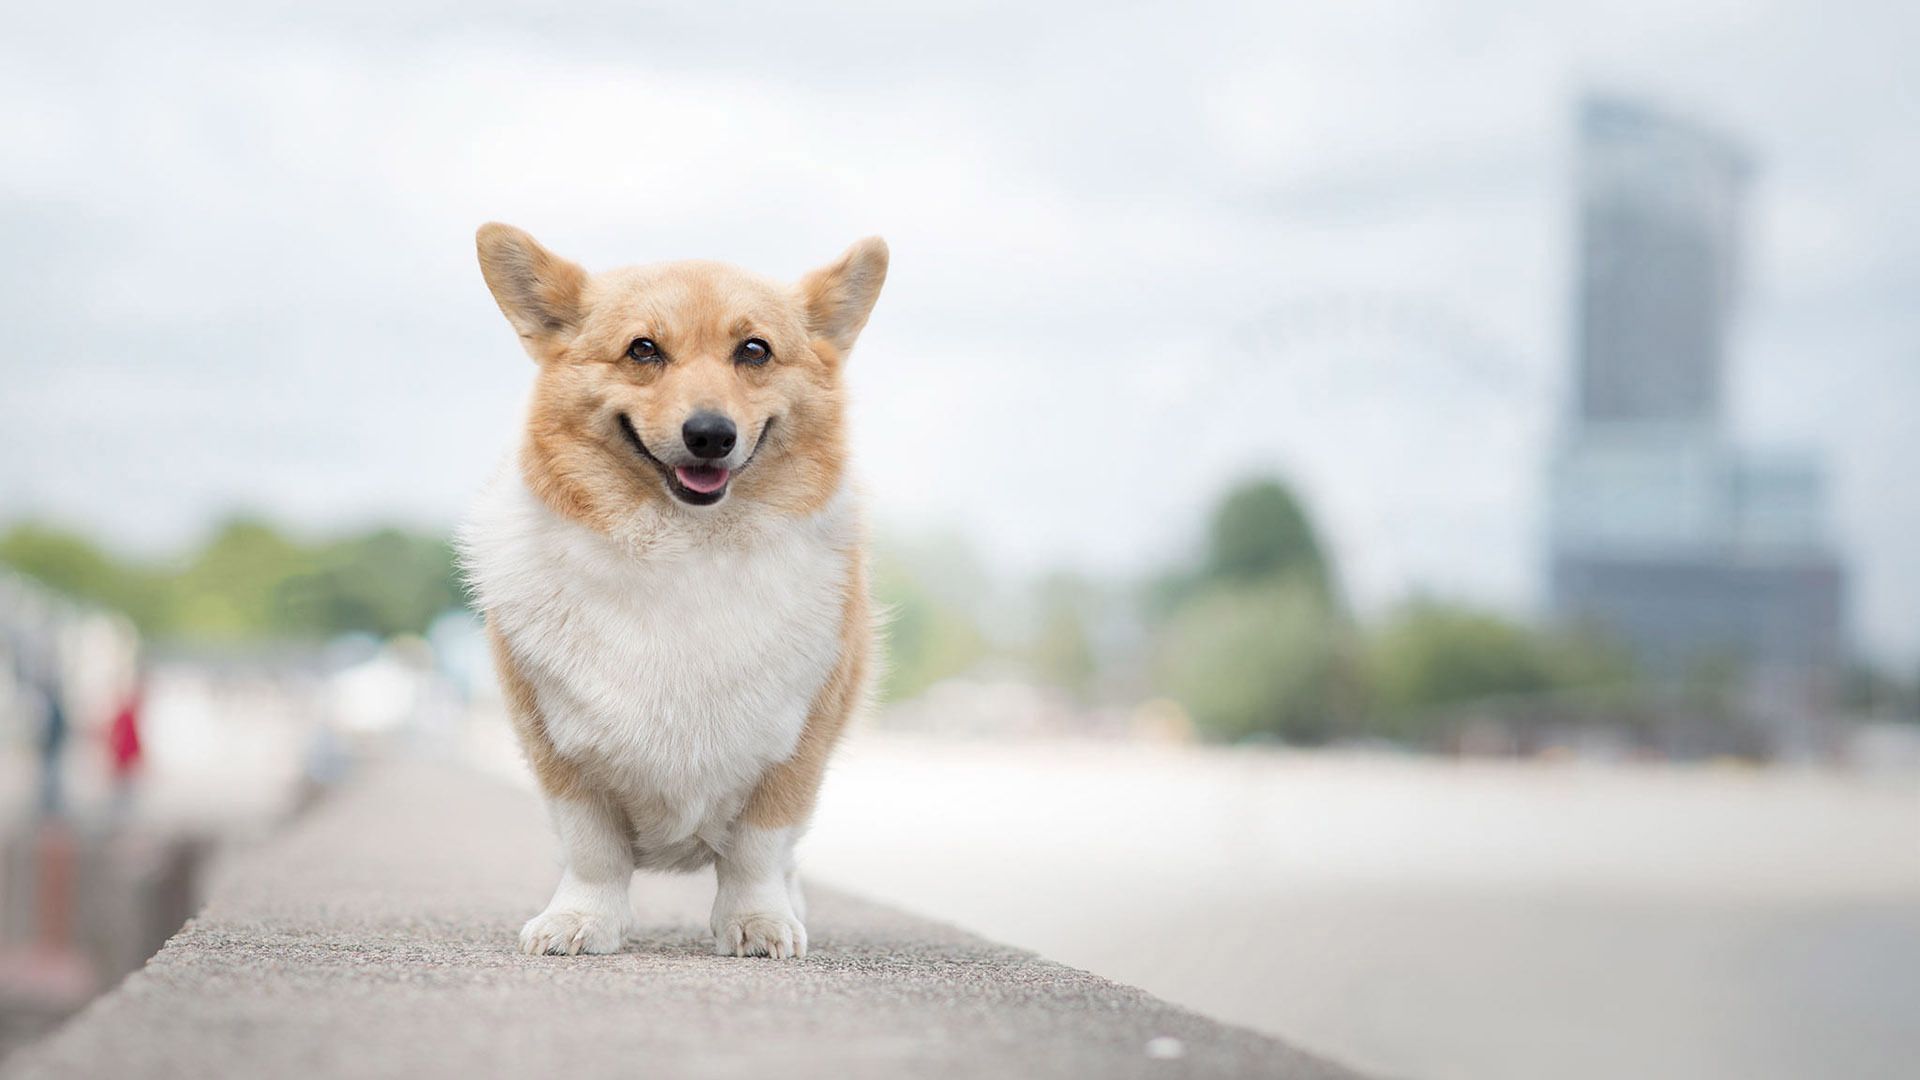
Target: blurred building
[1660,208]
[1705,557]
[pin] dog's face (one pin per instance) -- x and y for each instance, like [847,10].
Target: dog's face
[682,384]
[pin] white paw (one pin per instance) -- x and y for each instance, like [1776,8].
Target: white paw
[569,933]
[778,934]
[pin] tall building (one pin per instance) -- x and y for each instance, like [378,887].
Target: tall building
[1699,554]
[1659,206]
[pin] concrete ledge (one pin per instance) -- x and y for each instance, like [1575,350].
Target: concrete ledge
[375,938]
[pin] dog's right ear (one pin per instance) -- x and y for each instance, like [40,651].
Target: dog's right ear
[539,292]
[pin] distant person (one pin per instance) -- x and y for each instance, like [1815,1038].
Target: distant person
[53,744]
[123,749]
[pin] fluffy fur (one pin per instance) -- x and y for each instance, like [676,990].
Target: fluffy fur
[677,673]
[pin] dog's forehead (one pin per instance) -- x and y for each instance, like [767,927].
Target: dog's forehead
[692,294]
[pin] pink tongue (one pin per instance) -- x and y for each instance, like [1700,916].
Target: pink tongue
[704,479]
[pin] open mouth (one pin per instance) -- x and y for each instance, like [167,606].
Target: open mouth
[696,485]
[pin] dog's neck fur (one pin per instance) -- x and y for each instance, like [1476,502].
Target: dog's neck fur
[661,529]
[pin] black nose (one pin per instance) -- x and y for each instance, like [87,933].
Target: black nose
[708,435]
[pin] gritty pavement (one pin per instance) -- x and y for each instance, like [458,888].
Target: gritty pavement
[376,938]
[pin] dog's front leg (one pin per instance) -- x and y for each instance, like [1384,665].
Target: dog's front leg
[758,908]
[755,910]
[589,911]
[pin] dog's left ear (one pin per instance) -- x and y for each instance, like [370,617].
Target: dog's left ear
[840,296]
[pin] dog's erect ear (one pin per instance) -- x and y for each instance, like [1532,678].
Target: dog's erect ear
[538,291]
[839,297]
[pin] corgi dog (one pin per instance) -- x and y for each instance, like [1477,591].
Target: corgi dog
[672,570]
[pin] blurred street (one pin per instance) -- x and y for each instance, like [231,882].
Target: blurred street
[1420,917]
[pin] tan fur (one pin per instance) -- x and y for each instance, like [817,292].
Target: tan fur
[557,777]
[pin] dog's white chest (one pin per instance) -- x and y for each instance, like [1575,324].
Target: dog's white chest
[683,670]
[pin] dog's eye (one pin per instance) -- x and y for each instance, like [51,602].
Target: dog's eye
[753,351]
[643,349]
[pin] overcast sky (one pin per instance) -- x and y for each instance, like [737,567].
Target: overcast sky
[1139,251]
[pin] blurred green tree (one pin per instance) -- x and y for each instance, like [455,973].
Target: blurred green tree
[1429,655]
[1434,654]
[1252,640]
[70,563]
[930,634]
[252,581]
[1062,650]
[238,586]
[386,582]
[1258,658]
[1260,530]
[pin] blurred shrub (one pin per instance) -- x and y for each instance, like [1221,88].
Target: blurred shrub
[70,563]
[240,585]
[931,632]
[1255,658]
[1868,690]
[384,582]
[1061,651]
[250,580]
[1251,640]
[1429,655]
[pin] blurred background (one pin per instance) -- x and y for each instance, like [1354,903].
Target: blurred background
[1399,517]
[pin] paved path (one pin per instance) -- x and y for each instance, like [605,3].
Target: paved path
[376,938]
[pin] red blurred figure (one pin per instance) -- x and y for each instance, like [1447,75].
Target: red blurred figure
[123,749]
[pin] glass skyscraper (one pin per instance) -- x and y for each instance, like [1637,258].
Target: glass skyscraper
[1660,203]
[1695,552]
